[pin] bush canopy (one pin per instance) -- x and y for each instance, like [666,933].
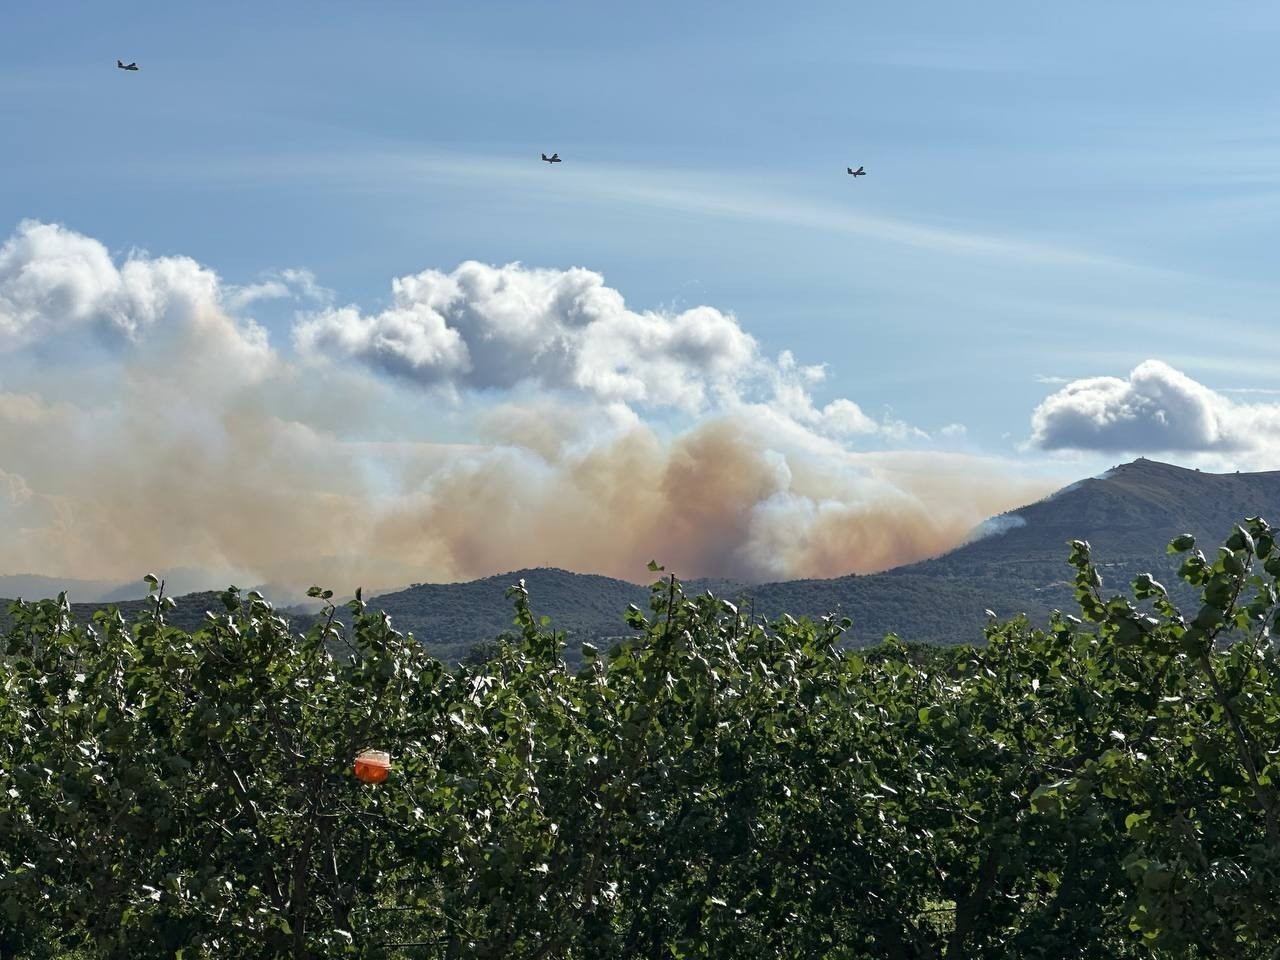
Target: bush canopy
[711,787]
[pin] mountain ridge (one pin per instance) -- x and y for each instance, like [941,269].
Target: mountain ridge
[1128,514]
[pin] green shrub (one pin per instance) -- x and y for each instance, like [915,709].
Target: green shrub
[709,787]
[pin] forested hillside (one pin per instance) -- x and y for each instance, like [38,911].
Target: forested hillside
[709,787]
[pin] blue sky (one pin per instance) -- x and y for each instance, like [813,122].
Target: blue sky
[1054,193]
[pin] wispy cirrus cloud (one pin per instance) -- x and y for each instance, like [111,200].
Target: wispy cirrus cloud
[745,198]
[1262,391]
[291,284]
[722,195]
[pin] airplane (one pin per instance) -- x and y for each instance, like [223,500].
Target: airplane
[856,173]
[554,158]
[127,66]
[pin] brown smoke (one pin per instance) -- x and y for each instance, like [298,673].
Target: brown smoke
[714,502]
[217,481]
[198,446]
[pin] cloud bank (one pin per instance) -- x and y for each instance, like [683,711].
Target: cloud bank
[490,418]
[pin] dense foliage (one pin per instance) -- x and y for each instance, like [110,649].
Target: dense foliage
[711,787]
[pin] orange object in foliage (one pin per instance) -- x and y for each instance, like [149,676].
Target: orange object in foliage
[372,766]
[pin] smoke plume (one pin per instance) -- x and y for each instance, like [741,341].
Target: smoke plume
[493,418]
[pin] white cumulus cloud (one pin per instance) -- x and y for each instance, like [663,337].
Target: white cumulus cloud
[487,327]
[1156,408]
[54,282]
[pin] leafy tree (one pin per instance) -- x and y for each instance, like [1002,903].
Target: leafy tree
[712,786]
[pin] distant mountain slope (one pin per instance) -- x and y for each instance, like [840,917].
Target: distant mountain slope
[455,616]
[1135,508]
[32,586]
[188,614]
[179,581]
[1128,516]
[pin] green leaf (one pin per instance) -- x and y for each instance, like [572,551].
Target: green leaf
[1133,819]
[1240,539]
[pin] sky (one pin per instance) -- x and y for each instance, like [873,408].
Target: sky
[306,265]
